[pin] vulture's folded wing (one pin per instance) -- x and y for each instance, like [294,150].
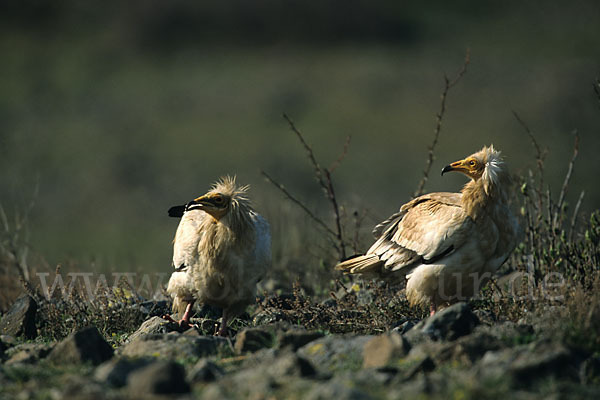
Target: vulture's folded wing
[425,230]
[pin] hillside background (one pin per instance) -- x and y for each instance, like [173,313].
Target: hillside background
[116,111]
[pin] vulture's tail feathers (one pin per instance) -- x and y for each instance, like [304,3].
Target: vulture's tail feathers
[360,264]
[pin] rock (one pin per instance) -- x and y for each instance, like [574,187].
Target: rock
[468,349]
[152,326]
[297,338]
[160,377]
[173,346]
[252,339]
[290,364]
[335,390]
[27,353]
[334,352]
[450,323]
[115,372]
[424,364]
[86,345]
[380,350]
[524,364]
[205,371]
[20,318]
[404,327]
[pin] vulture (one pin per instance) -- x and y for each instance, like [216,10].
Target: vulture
[445,246]
[222,248]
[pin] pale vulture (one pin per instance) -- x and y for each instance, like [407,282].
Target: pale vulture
[446,245]
[222,248]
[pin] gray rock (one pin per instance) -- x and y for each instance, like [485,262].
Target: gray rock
[253,339]
[160,377]
[335,352]
[173,346]
[295,339]
[335,390]
[382,349]
[404,327]
[152,326]
[115,372]
[205,371]
[468,349]
[27,353]
[20,318]
[290,364]
[450,323]
[86,345]
[525,364]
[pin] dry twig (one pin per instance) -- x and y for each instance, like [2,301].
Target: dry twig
[323,177]
[565,185]
[438,121]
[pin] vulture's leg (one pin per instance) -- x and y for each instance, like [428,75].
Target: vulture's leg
[185,320]
[223,329]
[432,309]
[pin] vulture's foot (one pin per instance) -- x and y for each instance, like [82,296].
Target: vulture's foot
[184,324]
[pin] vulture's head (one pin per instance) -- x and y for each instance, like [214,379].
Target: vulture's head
[485,164]
[223,199]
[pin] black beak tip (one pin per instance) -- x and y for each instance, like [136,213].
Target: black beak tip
[447,168]
[177,211]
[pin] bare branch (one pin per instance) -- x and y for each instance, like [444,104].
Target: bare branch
[565,185]
[339,160]
[540,155]
[282,188]
[575,214]
[336,211]
[597,89]
[438,121]
[309,152]
[323,177]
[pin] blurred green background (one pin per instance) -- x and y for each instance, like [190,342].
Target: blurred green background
[118,110]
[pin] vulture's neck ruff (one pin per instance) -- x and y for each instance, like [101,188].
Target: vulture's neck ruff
[486,187]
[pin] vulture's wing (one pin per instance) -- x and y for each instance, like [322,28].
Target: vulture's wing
[427,229]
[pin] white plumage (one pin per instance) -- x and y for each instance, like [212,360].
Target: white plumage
[222,248]
[446,245]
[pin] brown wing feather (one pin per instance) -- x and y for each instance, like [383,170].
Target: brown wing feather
[426,228]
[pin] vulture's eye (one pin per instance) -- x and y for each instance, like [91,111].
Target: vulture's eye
[218,200]
[471,163]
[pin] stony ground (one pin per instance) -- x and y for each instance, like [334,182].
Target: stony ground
[462,352]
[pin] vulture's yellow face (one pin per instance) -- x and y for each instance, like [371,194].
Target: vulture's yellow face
[471,166]
[215,204]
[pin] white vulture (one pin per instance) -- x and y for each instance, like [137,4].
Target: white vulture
[446,245]
[222,248]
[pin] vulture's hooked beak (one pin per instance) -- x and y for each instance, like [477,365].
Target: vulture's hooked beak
[199,204]
[455,166]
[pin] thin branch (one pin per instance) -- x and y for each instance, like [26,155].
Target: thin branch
[597,89]
[309,151]
[540,155]
[438,121]
[336,211]
[575,214]
[565,185]
[298,202]
[326,184]
[339,160]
